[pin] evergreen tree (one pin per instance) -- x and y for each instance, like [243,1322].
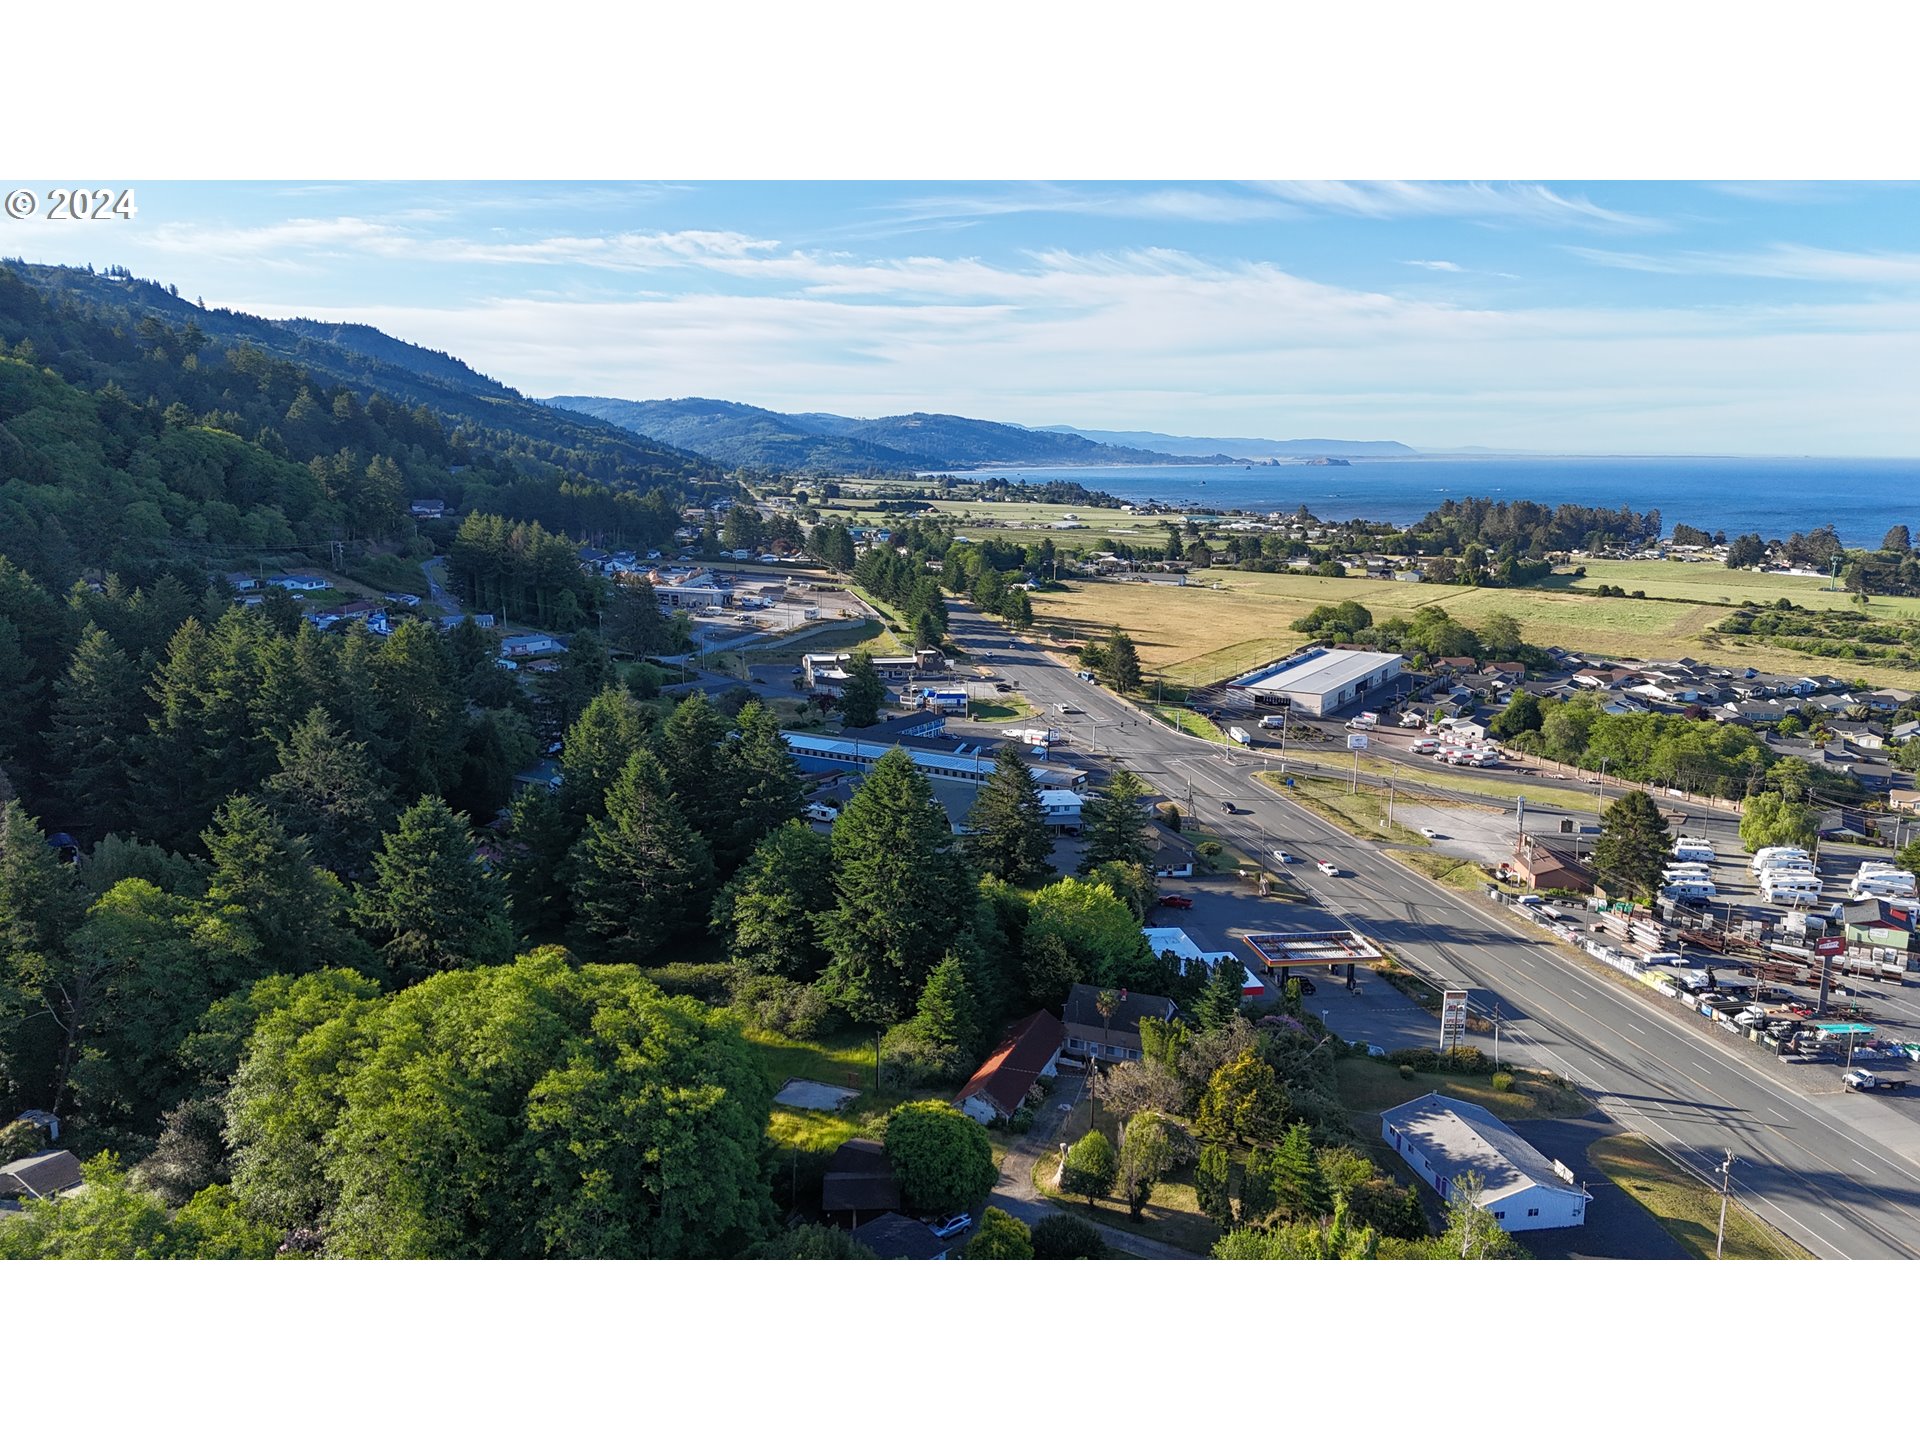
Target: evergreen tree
[609,731]
[948,1014]
[431,906]
[691,752]
[326,791]
[1017,610]
[1210,1177]
[1634,846]
[1256,1189]
[1146,1154]
[414,684]
[539,861]
[579,675]
[1221,998]
[1115,825]
[1008,836]
[863,694]
[765,780]
[1298,1185]
[95,713]
[1898,540]
[902,892]
[643,873]
[266,881]
[40,907]
[767,914]
[1122,662]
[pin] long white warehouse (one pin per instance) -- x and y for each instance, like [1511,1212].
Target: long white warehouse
[1319,681]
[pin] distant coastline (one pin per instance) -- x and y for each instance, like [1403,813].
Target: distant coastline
[1775,497]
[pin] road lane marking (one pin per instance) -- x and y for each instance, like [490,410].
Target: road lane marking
[1635,1028]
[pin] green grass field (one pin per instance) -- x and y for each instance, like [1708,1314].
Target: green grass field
[1714,584]
[1231,621]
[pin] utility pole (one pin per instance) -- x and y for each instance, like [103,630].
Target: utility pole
[1496,1034]
[1726,1179]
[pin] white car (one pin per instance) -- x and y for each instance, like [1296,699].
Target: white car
[1431,833]
[1283,857]
[1327,867]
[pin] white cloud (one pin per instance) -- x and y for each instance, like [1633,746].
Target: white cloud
[1164,339]
[1211,206]
[1775,262]
[1446,265]
[1467,200]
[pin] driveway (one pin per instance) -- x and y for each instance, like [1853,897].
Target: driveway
[1015,1192]
[1618,1227]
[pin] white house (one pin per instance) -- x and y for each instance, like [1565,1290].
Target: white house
[303,582]
[1062,808]
[1442,1139]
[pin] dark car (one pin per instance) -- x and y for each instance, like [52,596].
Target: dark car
[1306,986]
[1226,807]
[1175,902]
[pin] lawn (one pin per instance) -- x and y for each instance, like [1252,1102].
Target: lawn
[1453,873]
[1232,621]
[1368,1086]
[1000,709]
[1686,1208]
[1190,721]
[1173,1216]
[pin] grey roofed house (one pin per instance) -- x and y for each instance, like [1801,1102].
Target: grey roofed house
[895,1237]
[1116,1037]
[48,1173]
[859,1180]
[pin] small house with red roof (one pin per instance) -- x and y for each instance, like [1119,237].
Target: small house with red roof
[1029,1052]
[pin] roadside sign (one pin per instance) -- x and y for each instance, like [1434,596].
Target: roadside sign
[1356,742]
[1830,945]
[1453,1018]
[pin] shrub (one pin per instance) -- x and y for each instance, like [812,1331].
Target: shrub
[1208,848]
[1067,1237]
[709,984]
[1503,1082]
[1463,1060]
[786,1007]
[1406,1072]
[910,1061]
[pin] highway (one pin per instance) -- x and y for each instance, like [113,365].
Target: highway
[1838,1174]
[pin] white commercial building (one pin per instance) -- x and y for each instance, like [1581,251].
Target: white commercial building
[1442,1139]
[1172,940]
[1319,681]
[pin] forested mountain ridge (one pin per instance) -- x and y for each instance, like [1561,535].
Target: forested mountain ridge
[138,430]
[83,308]
[736,434]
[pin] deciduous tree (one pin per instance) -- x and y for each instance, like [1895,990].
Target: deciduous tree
[1000,1237]
[941,1157]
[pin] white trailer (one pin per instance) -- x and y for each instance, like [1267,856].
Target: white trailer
[1239,736]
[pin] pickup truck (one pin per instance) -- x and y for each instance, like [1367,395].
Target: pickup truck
[1867,1080]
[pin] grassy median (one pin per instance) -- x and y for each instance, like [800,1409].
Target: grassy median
[1686,1208]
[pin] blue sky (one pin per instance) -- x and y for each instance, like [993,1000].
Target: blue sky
[1762,318]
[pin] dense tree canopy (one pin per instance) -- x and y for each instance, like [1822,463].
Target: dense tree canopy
[531,1109]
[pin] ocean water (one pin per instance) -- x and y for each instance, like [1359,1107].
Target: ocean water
[1859,498]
